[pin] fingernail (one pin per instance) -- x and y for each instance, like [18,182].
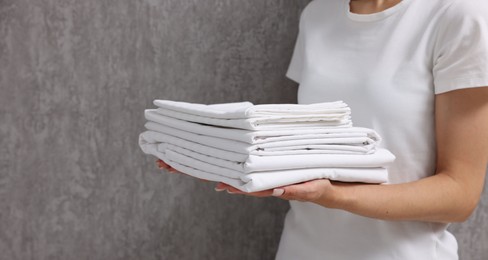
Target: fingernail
[230,192]
[278,192]
[219,189]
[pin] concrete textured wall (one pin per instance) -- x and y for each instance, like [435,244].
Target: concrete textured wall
[75,77]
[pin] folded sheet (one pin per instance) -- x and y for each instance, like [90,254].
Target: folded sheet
[254,163]
[160,141]
[311,146]
[258,147]
[264,123]
[254,136]
[239,110]
[267,180]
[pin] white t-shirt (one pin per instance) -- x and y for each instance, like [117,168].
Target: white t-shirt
[388,67]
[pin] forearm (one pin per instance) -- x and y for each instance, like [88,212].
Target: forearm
[451,194]
[438,198]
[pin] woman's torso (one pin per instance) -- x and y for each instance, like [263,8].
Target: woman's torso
[381,66]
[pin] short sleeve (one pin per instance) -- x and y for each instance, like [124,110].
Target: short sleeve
[297,61]
[461,48]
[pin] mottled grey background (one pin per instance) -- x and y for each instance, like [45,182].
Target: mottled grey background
[75,77]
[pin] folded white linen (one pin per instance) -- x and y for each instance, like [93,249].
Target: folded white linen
[267,180]
[254,163]
[257,147]
[271,148]
[248,110]
[259,181]
[160,140]
[264,123]
[254,137]
[308,143]
[215,142]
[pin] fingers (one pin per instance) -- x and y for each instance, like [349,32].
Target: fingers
[164,166]
[308,191]
[293,192]
[225,187]
[161,164]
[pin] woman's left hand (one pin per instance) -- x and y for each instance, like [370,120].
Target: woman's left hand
[317,191]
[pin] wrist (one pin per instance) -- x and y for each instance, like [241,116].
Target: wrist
[340,196]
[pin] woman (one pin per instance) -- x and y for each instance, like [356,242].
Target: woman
[415,71]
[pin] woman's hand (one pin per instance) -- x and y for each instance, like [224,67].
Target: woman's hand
[164,166]
[321,192]
[316,191]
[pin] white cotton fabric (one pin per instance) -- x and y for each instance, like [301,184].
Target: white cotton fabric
[353,145]
[160,140]
[351,140]
[272,163]
[240,110]
[191,138]
[254,118]
[387,67]
[255,136]
[259,181]
[265,123]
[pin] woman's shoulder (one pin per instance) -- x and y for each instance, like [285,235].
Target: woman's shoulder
[458,10]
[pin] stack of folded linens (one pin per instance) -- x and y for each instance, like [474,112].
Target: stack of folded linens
[259,147]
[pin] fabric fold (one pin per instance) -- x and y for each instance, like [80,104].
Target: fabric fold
[253,163]
[259,147]
[267,180]
[264,123]
[312,146]
[239,110]
[253,136]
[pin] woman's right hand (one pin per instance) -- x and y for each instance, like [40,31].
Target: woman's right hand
[164,166]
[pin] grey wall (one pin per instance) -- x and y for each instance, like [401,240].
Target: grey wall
[75,77]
